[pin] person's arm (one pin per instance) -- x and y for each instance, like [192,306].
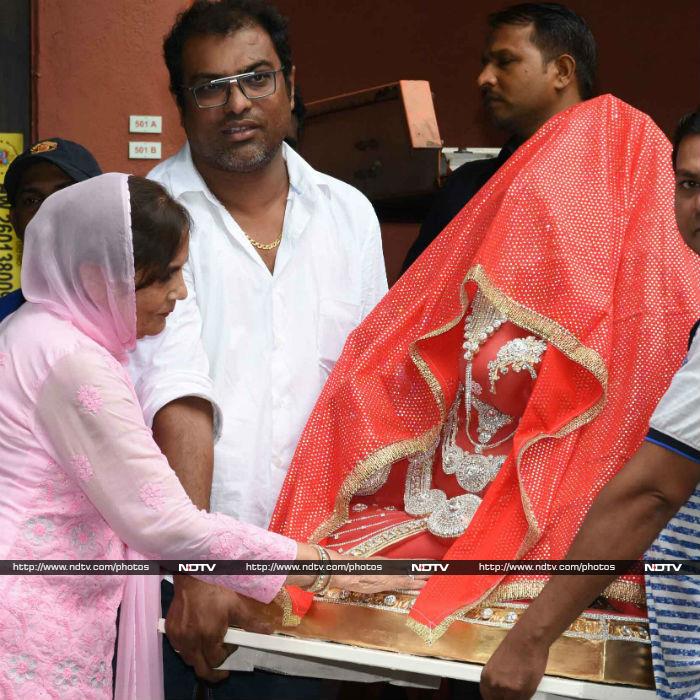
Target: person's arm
[183,429]
[623,521]
[200,613]
[171,377]
[88,420]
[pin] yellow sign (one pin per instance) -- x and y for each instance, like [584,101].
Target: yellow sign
[11,145]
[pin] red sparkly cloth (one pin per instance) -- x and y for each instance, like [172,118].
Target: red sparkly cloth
[573,240]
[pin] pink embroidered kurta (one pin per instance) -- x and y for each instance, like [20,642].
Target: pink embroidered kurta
[82,478]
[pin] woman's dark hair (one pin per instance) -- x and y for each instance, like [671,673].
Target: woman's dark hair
[159,225]
[556,31]
[223,17]
[689,125]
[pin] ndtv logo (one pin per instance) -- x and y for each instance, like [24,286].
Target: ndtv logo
[659,568]
[196,568]
[428,568]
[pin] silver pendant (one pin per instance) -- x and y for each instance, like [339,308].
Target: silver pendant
[474,472]
[519,354]
[452,517]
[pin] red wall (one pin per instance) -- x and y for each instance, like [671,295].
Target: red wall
[97,62]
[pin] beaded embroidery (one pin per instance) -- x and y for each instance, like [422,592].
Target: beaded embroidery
[419,498]
[385,539]
[450,517]
[447,517]
[491,420]
[370,522]
[474,471]
[520,354]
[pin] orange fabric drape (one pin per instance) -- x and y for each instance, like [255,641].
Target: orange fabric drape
[574,239]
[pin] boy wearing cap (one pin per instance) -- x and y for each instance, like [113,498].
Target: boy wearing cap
[44,168]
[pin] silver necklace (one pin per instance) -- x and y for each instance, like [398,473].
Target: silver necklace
[474,470]
[450,517]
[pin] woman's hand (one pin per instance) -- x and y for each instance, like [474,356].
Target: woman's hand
[373,583]
[358,583]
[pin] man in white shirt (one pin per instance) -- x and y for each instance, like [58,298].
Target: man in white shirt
[284,262]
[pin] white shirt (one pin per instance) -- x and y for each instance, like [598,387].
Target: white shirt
[269,340]
[261,345]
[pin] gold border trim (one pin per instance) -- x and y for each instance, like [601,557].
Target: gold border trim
[625,591]
[284,601]
[376,461]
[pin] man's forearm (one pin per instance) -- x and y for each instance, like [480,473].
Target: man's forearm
[624,520]
[183,429]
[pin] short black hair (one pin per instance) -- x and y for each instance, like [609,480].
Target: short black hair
[159,225]
[556,30]
[689,125]
[223,17]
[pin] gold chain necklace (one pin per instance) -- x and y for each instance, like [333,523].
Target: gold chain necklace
[264,246]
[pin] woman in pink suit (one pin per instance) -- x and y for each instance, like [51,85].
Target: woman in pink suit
[80,475]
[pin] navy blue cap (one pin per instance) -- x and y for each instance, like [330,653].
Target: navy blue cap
[75,161]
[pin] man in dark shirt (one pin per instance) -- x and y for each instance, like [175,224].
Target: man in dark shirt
[540,59]
[44,168]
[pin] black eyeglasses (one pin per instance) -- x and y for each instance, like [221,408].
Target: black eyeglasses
[254,86]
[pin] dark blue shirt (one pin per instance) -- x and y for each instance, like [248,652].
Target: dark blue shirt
[11,302]
[460,187]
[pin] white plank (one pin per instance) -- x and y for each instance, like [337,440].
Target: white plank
[550,686]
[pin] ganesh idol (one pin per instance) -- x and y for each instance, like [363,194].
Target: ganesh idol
[507,376]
